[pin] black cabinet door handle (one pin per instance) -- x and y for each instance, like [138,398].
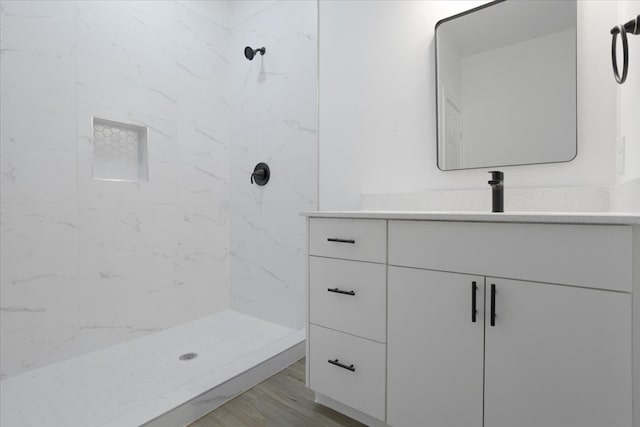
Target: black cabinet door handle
[333,239]
[474,311]
[493,305]
[342,365]
[340,291]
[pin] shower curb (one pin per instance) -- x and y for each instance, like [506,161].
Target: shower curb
[218,395]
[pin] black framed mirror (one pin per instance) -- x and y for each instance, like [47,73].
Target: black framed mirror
[506,85]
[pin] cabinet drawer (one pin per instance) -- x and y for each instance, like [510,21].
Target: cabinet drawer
[597,256]
[358,239]
[364,387]
[349,296]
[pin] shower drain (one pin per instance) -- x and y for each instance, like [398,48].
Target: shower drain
[188,356]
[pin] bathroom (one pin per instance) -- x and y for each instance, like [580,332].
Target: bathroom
[152,289]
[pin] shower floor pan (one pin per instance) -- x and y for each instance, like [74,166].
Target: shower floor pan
[144,381]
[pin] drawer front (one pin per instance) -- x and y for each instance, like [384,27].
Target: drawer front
[349,296]
[364,387]
[597,256]
[357,239]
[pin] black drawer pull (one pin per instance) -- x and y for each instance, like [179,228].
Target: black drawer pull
[340,291]
[493,305]
[333,239]
[342,365]
[474,289]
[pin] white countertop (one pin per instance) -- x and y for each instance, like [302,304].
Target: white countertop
[608,218]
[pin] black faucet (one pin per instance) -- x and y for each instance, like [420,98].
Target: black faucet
[497,191]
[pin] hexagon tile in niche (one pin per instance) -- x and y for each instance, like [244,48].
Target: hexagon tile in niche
[119,151]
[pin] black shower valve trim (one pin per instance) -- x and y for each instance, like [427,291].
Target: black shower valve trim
[261,174]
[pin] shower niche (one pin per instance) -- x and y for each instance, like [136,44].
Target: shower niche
[119,151]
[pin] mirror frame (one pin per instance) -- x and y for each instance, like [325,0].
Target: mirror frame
[437,93]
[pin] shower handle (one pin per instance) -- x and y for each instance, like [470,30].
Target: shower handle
[261,174]
[258,175]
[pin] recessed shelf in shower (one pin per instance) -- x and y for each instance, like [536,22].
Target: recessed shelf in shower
[119,151]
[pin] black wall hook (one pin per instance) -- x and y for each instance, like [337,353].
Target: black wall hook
[250,53]
[632,27]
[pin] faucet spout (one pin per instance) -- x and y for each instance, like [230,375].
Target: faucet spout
[497,191]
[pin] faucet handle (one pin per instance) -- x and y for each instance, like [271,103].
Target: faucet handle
[496,176]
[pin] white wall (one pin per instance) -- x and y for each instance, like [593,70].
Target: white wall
[274,118]
[85,264]
[628,125]
[377,103]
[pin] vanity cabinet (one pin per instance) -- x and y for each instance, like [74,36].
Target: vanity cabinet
[494,324]
[435,347]
[347,312]
[557,356]
[349,296]
[554,356]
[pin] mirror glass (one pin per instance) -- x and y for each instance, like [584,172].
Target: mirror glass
[506,85]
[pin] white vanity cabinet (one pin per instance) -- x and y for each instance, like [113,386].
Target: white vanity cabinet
[347,312]
[480,323]
[557,356]
[554,356]
[435,347]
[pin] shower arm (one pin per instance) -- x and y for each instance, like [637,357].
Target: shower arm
[250,53]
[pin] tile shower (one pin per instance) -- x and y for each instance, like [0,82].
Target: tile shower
[96,252]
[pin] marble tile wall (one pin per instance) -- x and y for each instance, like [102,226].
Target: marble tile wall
[273,103]
[83,263]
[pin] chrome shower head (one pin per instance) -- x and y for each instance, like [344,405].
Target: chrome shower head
[249,52]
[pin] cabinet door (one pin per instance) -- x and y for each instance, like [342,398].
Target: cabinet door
[434,349]
[557,356]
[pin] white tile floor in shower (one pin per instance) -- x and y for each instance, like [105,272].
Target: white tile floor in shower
[131,383]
